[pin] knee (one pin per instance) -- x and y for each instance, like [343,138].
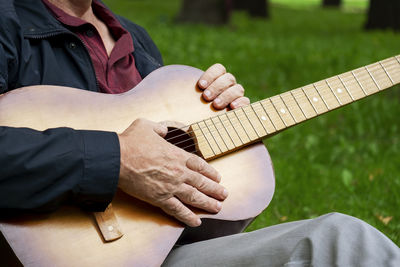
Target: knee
[341,224]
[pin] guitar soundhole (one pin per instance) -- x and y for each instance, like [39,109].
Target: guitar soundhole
[181,139]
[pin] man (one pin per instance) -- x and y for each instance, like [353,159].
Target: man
[81,44]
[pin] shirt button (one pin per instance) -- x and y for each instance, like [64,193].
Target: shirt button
[72,45]
[89,33]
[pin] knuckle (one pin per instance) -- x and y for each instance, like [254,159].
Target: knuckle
[192,196]
[240,89]
[220,67]
[202,185]
[140,121]
[173,207]
[231,78]
[201,165]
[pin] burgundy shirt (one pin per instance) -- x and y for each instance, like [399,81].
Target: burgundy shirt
[117,73]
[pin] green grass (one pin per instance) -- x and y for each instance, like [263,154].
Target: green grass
[346,161]
[346,4]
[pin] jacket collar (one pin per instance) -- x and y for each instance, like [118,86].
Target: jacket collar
[36,20]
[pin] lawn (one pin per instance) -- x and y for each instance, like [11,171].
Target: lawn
[346,161]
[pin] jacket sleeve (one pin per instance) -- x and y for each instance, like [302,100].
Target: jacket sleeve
[39,170]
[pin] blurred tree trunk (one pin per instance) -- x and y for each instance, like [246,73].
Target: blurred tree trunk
[205,11]
[218,11]
[331,3]
[383,14]
[256,8]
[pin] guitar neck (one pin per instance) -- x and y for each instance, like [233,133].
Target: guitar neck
[235,129]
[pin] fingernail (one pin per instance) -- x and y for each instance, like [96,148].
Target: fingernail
[207,93]
[219,205]
[217,101]
[233,104]
[225,193]
[203,83]
[198,222]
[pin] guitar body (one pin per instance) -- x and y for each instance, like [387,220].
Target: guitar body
[69,236]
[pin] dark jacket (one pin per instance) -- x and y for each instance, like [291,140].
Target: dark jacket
[41,169]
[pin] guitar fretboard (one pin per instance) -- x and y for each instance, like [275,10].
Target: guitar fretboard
[224,133]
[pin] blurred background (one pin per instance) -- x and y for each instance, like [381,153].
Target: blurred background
[346,161]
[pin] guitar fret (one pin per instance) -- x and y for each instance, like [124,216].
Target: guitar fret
[262,124]
[327,83]
[279,114]
[273,124]
[314,99]
[304,103]
[362,88]
[216,135]
[233,132]
[366,81]
[316,89]
[287,108]
[255,120]
[214,149]
[253,133]
[302,111]
[366,67]
[281,109]
[345,87]
[337,87]
[331,100]
[293,107]
[238,128]
[273,115]
[205,150]
[225,132]
[380,75]
[302,89]
[242,127]
[264,118]
[352,85]
[386,72]
[229,142]
[393,68]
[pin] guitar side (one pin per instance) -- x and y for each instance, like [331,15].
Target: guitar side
[69,237]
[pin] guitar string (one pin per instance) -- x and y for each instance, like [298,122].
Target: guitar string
[217,130]
[328,98]
[217,125]
[395,61]
[280,117]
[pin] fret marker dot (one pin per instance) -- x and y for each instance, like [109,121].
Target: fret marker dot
[110,228]
[315,99]
[283,111]
[339,90]
[263,118]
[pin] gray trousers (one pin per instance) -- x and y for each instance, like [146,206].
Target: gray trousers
[330,240]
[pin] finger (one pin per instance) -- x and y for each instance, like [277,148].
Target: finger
[218,86]
[211,74]
[160,129]
[240,102]
[206,186]
[191,196]
[199,165]
[228,96]
[177,209]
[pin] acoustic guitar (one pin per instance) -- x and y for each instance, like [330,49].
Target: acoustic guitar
[229,140]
